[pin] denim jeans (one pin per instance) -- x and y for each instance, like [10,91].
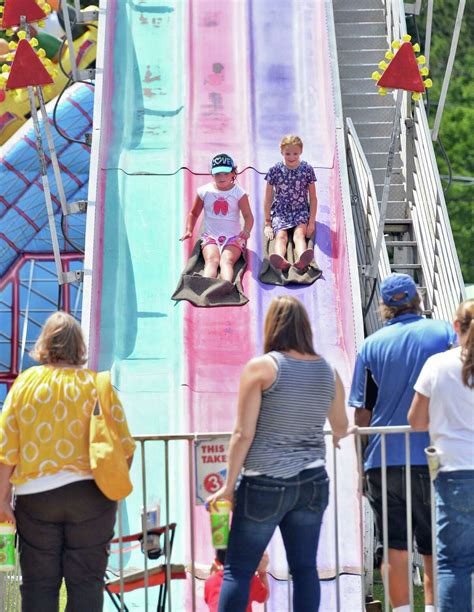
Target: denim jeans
[455,539]
[296,505]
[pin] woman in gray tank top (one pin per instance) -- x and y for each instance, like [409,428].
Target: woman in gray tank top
[285,397]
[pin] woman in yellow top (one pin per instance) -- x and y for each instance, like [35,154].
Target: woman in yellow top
[64,522]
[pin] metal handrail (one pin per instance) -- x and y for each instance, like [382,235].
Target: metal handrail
[431,227]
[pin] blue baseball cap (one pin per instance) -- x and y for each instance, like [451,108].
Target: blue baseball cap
[222,163]
[400,286]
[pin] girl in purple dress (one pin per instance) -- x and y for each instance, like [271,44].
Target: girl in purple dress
[290,203]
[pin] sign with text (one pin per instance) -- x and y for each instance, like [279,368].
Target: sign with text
[210,458]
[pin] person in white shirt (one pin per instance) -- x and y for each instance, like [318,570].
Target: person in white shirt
[444,403]
[222,200]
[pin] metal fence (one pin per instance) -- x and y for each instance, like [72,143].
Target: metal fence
[366,547]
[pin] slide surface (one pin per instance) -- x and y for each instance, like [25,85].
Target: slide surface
[182,81]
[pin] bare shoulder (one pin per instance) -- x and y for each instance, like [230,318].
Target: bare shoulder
[260,370]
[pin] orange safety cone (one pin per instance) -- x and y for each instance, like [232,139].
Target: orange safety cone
[403,71]
[27,69]
[14,9]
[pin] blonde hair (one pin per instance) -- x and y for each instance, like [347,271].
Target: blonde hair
[60,340]
[291,139]
[287,327]
[465,318]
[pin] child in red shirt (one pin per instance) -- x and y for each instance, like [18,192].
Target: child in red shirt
[259,588]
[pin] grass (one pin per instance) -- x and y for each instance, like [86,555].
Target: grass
[418,597]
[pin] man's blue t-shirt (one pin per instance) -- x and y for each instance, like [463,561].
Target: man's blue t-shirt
[390,360]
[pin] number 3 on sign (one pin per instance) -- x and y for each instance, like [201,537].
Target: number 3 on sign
[213,482]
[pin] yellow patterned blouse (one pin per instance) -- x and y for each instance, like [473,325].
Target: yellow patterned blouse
[44,424]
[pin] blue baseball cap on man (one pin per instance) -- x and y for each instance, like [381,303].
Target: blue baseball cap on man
[397,289]
[222,163]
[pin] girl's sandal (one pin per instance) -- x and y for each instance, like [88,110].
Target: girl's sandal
[306,258]
[279,263]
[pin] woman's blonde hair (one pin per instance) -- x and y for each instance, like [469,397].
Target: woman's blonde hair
[465,318]
[291,139]
[60,340]
[287,327]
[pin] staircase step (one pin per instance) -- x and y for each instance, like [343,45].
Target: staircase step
[351,42]
[378,161]
[397,192]
[375,144]
[405,266]
[358,85]
[398,226]
[370,29]
[350,69]
[367,100]
[401,243]
[352,4]
[380,129]
[374,114]
[357,15]
[363,56]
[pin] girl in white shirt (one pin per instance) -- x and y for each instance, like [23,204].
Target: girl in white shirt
[444,403]
[222,200]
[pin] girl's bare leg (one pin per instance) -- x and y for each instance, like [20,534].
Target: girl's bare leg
[229,256]
[281,242]
[299,238]
[211,260]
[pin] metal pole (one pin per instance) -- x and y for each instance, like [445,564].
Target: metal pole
[167,533]
[434,558]
[409,518]
[121,577]
[144,523]
[373,270]
[191,521]
[385,525]
[336,530]
[429,27]
[52,152]
[70,42]
[360,463]
[27,312]
[449,69]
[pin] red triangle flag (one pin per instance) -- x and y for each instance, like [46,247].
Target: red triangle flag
[27,68]
[14,9]
[403,71]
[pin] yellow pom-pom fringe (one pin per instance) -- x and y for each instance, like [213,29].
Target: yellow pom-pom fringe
[34,42]
[424,71]
[416,96]
[12,45]
[383,65]
[382,91]
[375,75]
[396,44]
[9,32]
[406,38]
[416,48]
[5,68]
[9,57]
[41,53]
[21,35]
[389,55]
[421,59]
[428,83]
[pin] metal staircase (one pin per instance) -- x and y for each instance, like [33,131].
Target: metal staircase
[364,30]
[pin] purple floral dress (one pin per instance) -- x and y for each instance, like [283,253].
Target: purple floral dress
[290,206]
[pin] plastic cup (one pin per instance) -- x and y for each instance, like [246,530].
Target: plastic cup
[220,515]
[432,457]
[7,547]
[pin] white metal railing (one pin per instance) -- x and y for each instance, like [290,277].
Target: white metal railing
[191,439]
[437,252]
[368,227]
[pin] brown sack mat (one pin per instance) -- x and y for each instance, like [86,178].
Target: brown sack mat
[209,292]
[271,276]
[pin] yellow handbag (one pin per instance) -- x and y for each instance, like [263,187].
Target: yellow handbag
[108,462]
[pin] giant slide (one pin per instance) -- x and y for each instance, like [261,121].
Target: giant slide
[178,82]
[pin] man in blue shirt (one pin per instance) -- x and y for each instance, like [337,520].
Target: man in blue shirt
[386,370]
